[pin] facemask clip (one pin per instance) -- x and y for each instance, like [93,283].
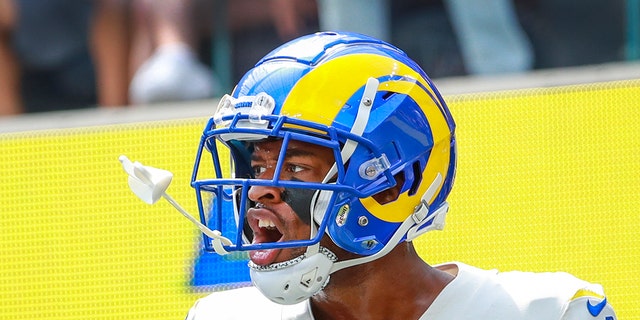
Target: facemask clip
[371,169]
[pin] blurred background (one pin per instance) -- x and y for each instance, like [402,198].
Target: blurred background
[67,54]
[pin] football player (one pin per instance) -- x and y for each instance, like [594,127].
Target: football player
[330,156]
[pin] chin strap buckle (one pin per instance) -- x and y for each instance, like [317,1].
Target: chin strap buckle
[437,218]
[422,214]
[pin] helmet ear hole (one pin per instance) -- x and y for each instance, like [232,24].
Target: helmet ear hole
[391,194]
[388,95]
[417,178]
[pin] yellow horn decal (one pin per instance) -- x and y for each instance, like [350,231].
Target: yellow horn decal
[342,76]
[438,159]
[439,126]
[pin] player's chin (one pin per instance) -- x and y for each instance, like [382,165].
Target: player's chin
[266,257]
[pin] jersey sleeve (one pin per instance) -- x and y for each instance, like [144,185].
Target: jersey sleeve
[589,304]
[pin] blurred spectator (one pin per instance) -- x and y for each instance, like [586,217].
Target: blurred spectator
[561,33]
[43,55]
[423,30]
[488,33]
[259,26]
[62,54]
[289,18]
[490,37]
[370,17]
[176,26]
[144,51]
[10,101]
[164,53]
[461,37]
[573,33]
[110,48]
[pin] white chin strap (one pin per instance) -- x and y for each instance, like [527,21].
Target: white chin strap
[295,280]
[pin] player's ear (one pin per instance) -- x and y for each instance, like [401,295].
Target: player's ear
[392,193]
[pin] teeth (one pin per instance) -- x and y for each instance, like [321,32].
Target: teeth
[266,224]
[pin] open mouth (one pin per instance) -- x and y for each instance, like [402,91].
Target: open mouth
[265,230]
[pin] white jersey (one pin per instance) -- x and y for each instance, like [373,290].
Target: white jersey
[473,294]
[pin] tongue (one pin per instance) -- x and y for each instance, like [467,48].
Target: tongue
[264,257]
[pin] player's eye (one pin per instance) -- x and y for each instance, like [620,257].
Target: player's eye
[294,169]
[258,170]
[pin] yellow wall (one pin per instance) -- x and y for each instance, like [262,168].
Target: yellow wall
[548,179]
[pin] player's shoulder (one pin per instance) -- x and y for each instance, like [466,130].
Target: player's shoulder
[241,303]
[540,295]
[576,298]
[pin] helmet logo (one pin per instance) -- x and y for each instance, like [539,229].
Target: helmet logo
[255,106]
[308,278]
[343,212]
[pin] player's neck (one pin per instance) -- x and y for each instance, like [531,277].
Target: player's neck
[398,286]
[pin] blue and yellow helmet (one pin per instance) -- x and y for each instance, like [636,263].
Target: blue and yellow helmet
[367,101]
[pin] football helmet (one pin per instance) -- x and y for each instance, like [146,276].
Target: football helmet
[381,116]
